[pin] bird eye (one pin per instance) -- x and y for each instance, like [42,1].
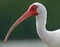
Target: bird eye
[34,7]
[33,10]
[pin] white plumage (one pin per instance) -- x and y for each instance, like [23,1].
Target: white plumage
[51,38]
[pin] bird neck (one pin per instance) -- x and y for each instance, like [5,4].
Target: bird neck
[41,20]
[41,25]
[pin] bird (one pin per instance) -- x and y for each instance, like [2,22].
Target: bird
[39,11]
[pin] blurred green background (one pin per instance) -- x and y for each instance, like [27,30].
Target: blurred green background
[11,10]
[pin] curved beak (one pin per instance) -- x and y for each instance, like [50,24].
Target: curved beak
[18,21]
[31,11]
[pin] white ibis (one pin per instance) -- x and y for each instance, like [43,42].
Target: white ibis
[51,38]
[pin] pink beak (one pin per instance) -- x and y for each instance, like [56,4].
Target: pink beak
[27,14]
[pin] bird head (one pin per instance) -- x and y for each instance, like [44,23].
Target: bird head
[34,10]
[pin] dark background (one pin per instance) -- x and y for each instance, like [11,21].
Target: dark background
[11,10]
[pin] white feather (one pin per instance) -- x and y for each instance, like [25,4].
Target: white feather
[51,38]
